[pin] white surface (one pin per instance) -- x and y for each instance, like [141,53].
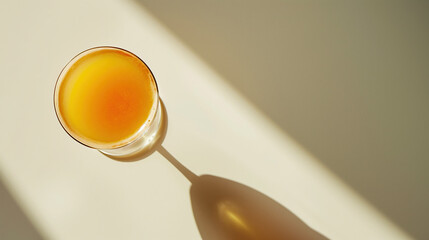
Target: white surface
[72,192]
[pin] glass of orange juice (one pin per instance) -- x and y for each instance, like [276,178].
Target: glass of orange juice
[107,98]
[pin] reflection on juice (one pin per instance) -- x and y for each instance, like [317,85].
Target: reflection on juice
[106,96]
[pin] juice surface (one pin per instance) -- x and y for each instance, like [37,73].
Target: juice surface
[106,96]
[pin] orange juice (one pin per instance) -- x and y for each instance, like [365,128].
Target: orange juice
[105,97]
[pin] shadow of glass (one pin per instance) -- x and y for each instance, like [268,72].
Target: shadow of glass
[224,209]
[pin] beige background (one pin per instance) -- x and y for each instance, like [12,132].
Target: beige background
[321,106]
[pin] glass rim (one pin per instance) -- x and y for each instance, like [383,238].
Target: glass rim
[92,144]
